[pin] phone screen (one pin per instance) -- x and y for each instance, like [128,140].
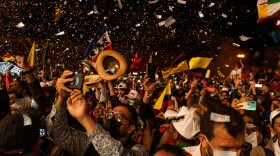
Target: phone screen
[77,83]
[248,105]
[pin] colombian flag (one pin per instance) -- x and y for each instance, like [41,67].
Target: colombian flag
[197,65]
[206,78]
[165,98]
[268,9]
[7,57]
[178,65]
[31,56]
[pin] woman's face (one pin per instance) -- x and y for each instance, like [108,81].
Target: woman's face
[276,127]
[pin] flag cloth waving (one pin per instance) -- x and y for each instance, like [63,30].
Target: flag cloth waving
[139,63]
[7,57]
[268,9]
[206,78]
[197,65]
[165,98]
[31,56]
[178,65]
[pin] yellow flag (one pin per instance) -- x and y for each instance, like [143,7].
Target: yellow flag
[207,75]
[165,97]
[182,66]
[57,13]
[31,56]
[199,62]
[85,88]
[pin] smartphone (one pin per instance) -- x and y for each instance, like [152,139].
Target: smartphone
[243,88]
[151,72]
[248,105]
[77,83]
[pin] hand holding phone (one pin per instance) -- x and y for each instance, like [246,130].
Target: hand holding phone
[151,72]
[77,83]
[248,105]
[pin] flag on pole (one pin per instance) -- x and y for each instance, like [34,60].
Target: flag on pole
[178,65]
[95,39]
[7,57]
[165,98]
[268,9]
[57,13]
[139,63]
[45,55]
[197,65]
[206,78]
[31,56]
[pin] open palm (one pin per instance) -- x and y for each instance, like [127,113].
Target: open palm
[77,105]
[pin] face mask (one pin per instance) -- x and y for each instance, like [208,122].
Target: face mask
[131,102]
[113,127]
[259,101]
[221,153]
[252,139]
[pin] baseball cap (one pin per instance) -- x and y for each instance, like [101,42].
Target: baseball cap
[122,86]
[19,132]
[273,114]
[133,95]
[186,122]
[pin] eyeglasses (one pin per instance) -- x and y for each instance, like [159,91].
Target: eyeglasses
[118,117]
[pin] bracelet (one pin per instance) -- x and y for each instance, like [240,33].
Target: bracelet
[27,72]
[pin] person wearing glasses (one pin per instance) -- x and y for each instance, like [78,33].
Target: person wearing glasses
[113,139]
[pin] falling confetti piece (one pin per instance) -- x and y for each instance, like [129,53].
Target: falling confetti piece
[153,2]
[224,15]
[20,25]
[181,2]
[211,5]
[244,38]
[60,33]
[200,14]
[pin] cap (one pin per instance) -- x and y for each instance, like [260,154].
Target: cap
[122,86]
[273,114]
[133,95]
[18,132]
[186,122]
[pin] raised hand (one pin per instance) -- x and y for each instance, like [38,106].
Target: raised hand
[21,62]
[148,86]
[62,90]
[77,105]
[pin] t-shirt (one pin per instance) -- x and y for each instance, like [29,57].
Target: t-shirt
[236,74]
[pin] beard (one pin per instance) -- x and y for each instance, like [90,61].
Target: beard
[113,127]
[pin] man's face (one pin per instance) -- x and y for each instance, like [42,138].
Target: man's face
[224,95]
[14,87]
[222,140]
[275,104]
[125,128]
[276,127]
[121,92]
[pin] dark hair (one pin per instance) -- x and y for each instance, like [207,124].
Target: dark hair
[234,127]
[133,113]
[273,120]
[172,149]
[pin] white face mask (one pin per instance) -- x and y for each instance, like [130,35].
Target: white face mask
[252,139]
[222,153]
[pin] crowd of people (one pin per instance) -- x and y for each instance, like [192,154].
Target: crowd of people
[40,115]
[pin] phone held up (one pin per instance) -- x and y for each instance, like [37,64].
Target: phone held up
[151,72]
[248,105]
[77,83]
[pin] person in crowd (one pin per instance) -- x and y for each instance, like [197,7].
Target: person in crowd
[221,133]
[120,125]
[272,147]
[170,150]
[19,133]
[183,129]
[236,73]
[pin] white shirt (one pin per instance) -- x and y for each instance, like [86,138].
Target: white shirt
[276,148]
[236,74]
[193,150]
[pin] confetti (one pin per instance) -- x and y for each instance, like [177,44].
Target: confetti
[181,2]
[20,25]
[60,33]
[200,14]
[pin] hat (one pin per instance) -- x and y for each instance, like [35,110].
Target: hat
[18,132]
[273,114]
[133,95]
[90,79]
[122,86]
[110,65]
[186,122]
